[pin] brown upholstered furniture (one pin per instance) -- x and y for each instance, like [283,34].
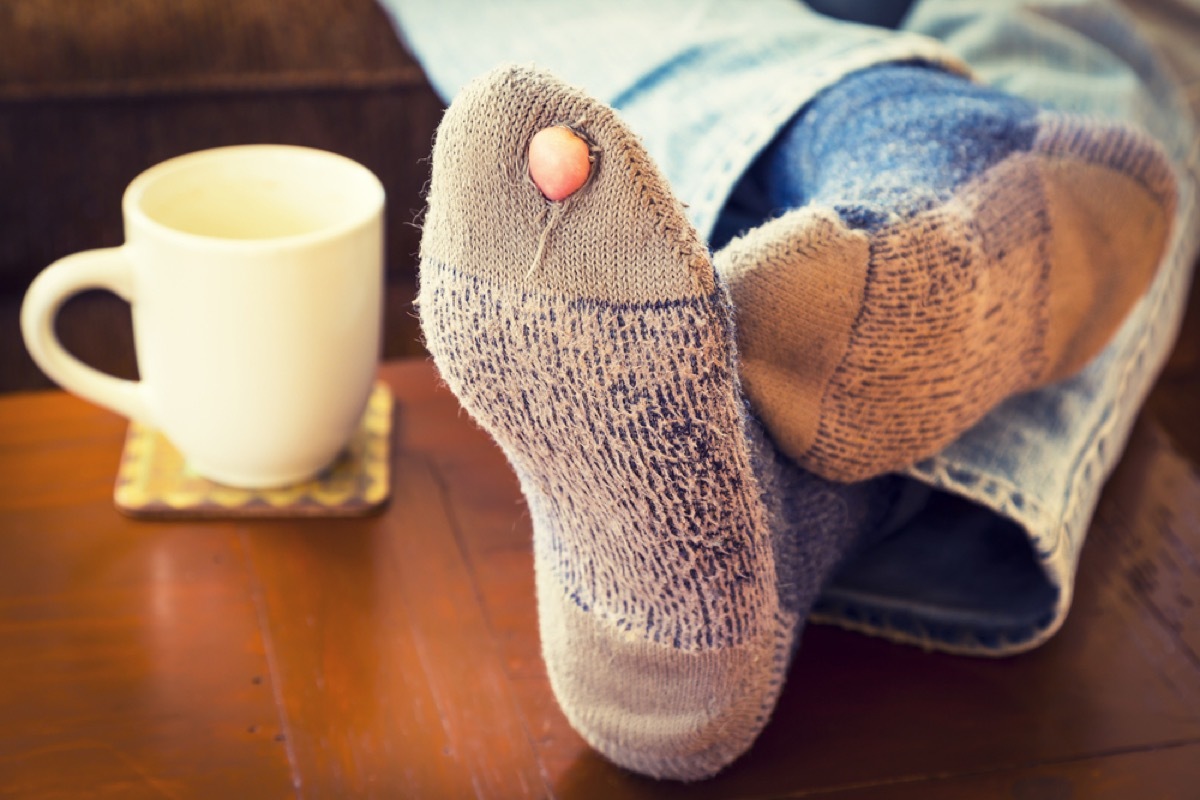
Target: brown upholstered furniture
[93,93]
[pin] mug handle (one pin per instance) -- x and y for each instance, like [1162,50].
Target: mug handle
[107,268]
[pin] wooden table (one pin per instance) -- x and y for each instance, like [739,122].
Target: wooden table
[397,655]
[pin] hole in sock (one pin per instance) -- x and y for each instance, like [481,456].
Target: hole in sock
[560,161]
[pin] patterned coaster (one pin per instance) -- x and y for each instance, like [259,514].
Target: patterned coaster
[154,482]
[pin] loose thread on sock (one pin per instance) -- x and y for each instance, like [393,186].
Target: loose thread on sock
[556,210]
[552,216]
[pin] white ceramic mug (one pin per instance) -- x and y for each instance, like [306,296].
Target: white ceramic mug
[255,278]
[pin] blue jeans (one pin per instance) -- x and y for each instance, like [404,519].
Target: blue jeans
[982,553]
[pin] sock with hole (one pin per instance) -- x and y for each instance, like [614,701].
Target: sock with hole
[676,551]
[947,246]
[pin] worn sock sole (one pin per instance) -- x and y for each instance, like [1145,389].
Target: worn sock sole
[591,340]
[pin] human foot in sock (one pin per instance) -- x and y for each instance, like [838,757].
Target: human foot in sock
[950,246]
[590,338]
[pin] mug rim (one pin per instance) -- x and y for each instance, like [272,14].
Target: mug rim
[135,192]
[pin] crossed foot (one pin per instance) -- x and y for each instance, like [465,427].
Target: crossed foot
[682,529]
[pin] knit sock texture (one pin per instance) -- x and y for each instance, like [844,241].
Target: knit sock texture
[676,550]
[943,247]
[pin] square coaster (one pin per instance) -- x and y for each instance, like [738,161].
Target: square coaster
[154,482]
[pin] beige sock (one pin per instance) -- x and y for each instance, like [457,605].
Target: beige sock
[865,352]
[677,553]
